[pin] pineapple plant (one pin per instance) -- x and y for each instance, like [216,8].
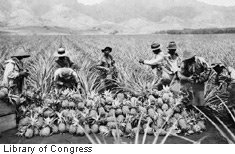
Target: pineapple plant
[61,122]
[46,129]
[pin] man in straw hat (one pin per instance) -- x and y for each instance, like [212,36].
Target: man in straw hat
[159,64]
[195,71]
[65,75]
[15,73]
[106,67]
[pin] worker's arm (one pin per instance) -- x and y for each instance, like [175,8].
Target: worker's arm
[204,76]
[181,76]
[155,61]
[9,73]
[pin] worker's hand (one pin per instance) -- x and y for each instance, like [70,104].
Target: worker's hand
[190,79]
[141,61]
[60,83]
[24,73]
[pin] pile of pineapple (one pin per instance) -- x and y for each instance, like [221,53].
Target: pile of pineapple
[107,114]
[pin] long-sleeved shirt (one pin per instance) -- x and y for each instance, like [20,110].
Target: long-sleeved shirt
[66,62]
[165,62]
[12,77]
[198,69]
[107,61]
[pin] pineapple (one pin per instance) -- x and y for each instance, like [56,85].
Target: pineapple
[25,121]
[160,122]
[87,129]
[160,112]
[80,131]
[108,97]
[36,132]
[125,110]
[142,109]
[196,128]
[202,125]
[81,106]
[72,104]
[118,111]
[55,129]
[182,124]
[62,127]
[40,122]
[116,103]
[90,103]
[151,112]
[120,97]
[165,97]
[61,122]
[110,119]
[48,113]
[120,118]
[104,130]
[29,133]
[93,113]
[111,125]
[133,111]
[48,101]
[46,130]
[95,128]
[165,107]
[65,104]
[72,129]
[112,112]
[101,111]
[128,128]
[160,102]
[169,112]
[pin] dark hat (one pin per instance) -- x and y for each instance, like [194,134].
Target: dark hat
[20,52]
[61,52]
[172,45]
[155,46]
[107,49]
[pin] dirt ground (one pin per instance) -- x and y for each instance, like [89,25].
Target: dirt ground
[9,137]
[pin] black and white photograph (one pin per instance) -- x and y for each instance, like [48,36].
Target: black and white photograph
[89,72]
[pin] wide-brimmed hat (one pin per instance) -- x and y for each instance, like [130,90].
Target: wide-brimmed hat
[155,46]
[107,49]
[61,52]
[188,54]
[20,52]
[172,45]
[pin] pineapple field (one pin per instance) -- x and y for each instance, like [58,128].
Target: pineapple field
[92,114]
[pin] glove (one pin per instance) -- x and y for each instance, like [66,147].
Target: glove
[141,61]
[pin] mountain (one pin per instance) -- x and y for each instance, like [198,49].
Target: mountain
[115,16]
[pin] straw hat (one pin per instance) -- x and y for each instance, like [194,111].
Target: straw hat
[171,45]
[20,52]
[61,53]
[155,46]
[188,54]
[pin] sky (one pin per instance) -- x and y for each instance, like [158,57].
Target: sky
[214,2]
